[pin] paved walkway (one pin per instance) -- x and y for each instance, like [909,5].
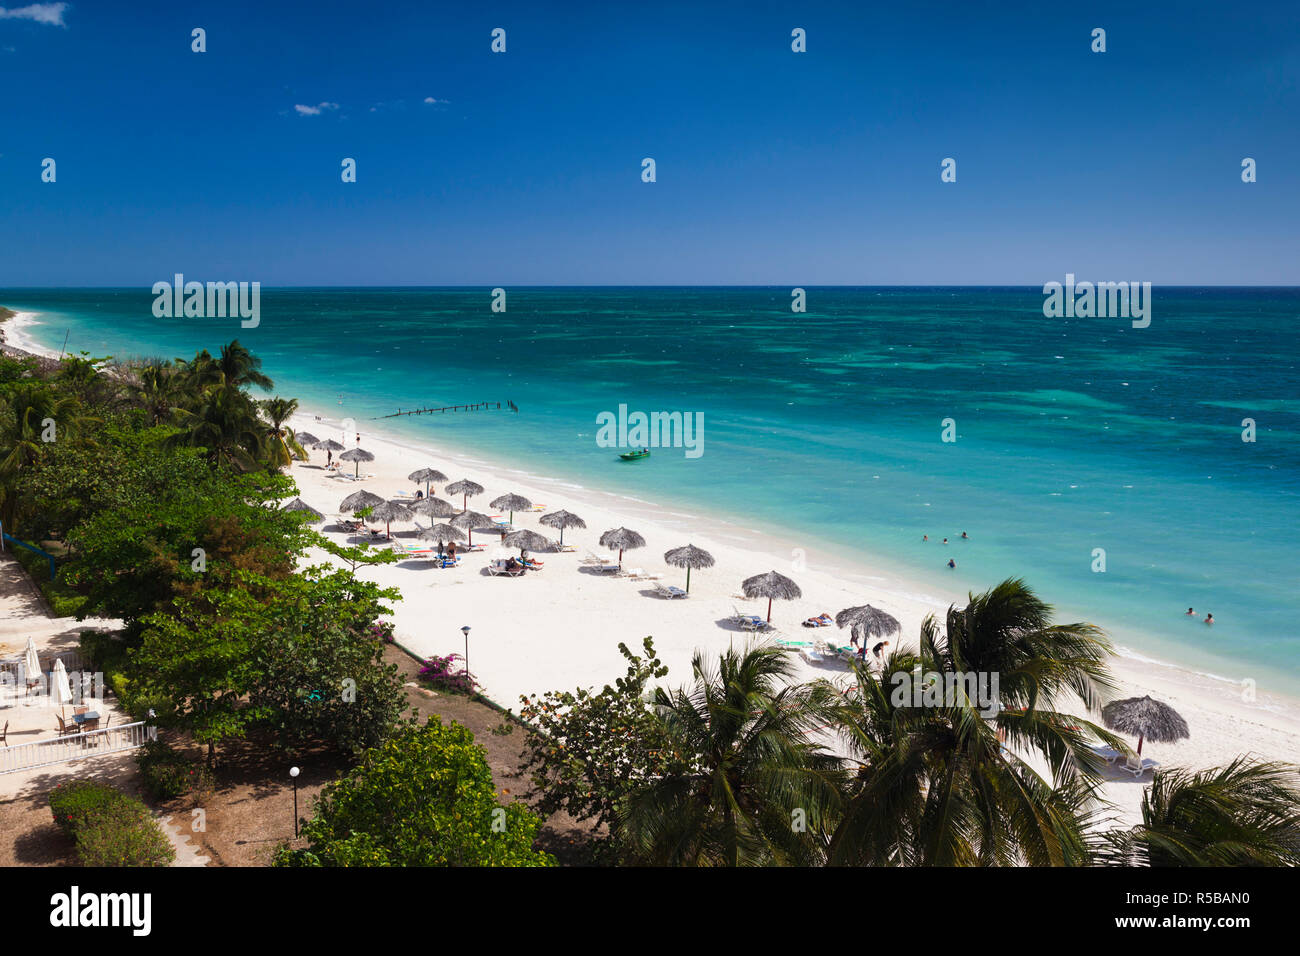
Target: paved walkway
[178,832]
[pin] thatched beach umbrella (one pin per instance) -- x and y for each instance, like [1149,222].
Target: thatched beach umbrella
[433,508]
[426,475]
[299,505]
[526,540]
[624,539]
[330,446]
[771,585]
[511,503]
[388,512]
[442,533]
[467,489]
[358,455]
[1146,718]
[562,519]
[305,439]
[689,557]
[469,520]
[358,500]
[867,621]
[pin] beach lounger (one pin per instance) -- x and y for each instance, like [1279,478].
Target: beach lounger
[1138,767]
[669,592]
[532,565]
[497,568]
[1108,754]
[607,568]
[750,622]
[590,558]
[565,548]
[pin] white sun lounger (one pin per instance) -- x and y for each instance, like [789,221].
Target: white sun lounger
[1137,769]
[669,592]
[1108,754]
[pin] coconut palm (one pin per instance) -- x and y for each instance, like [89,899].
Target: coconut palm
[157,388]
[1244,814]
[742,729]
[240,368]
[934,785]
[29,417]
[225,423]
[284,445]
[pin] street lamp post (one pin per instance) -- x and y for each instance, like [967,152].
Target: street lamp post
[293,773]
[465,630]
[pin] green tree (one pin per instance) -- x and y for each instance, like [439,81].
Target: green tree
[284,446]
[424,798]
[587,752]
[757,790]
[1244,814]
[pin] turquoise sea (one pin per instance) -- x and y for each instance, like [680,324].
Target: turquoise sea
[1072,434]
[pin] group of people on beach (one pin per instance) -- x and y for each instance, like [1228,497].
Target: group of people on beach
[951,562]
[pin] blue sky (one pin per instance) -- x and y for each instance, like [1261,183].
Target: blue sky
[773,167]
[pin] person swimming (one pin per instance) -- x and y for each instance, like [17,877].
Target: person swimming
[1190,611]
[925,537]
[945,540]
[965,536]
[1209,619]
[952,563]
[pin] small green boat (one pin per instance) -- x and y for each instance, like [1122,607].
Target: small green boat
[635,455]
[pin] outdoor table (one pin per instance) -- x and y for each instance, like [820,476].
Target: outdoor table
[82,718]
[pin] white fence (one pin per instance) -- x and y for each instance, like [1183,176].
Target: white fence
[92,743]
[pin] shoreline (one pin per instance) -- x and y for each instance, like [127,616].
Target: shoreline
[548,631]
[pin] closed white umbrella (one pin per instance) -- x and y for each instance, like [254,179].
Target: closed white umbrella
[31,662]
[61,689]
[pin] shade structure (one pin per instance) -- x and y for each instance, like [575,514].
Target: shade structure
[562,519]
[31,661]
[360,499]
[526,541]
[511,503]
[469,520]
[426,475]
[388,512]
[466,489]
[433,508]
[299,505]
[771,586]
[60,688]
[306,439]
[330,446]
[442,533]
[358,455]
[867,622]
[624,539]
[1145,717]
[688,556]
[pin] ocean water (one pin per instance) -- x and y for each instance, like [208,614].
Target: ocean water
[1071,434]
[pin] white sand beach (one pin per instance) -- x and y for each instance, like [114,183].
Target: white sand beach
[560,628]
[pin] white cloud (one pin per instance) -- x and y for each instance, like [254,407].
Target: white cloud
[431,100]
[48,13]
[314,110]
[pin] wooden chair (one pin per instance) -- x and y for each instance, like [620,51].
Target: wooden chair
[64,729]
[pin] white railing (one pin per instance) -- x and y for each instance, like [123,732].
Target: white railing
[91,743]
[16,665]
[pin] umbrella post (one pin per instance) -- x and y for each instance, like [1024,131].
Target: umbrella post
[769,610]
[688,579]
[1139,745]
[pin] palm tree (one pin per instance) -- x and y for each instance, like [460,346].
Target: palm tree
[935,786]
[240,368]
[757,791]
[941,784]
[158,388]
[25,433]
[1244,814]
[284,446]
[225,423]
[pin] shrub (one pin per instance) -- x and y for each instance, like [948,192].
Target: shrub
[443,674]
[70,802]
[168,774]
[123,835]
[109,827]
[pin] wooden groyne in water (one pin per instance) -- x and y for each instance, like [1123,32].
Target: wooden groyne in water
[471,407]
